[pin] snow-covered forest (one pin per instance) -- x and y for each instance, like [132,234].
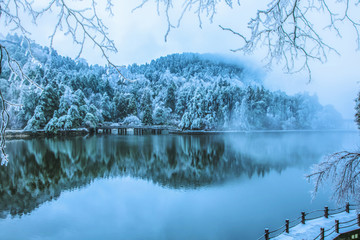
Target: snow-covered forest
[190,91]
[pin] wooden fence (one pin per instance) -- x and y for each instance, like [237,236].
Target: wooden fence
[326,212]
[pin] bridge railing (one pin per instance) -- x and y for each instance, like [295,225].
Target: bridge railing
[337,227]
[326,212]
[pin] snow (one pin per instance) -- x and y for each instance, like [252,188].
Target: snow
[194,92]
[311,229]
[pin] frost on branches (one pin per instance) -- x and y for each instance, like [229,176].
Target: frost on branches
[343,169]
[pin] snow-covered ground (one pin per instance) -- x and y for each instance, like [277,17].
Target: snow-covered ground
[311,229]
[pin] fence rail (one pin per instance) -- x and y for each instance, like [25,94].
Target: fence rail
[326,212]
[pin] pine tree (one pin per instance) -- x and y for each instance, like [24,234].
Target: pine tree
[120,106]
[132,109]
[49,100]
[147,118]
[106,107]
[170,100]
[146,105]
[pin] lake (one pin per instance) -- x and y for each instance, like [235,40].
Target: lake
[228,186]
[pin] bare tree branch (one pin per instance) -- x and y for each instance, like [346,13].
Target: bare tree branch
[198,7]
[343,169]
[285,27]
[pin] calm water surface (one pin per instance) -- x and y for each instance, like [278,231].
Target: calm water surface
[161,187]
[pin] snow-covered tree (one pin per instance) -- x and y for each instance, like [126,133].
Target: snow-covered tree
[106,107]
[146,107]
[161,114]
[132,121]
[170,100]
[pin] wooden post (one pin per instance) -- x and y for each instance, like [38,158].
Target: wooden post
[358,220]
[347,207]
[303,217]
[337,226]
[266,234]
[287,223]
[326,212]
[322,233]
[96,130]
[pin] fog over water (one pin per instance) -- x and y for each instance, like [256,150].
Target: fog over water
[161,187]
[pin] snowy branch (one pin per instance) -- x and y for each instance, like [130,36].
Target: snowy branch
[286,28]
[198,7]
[82,24]
[4,119]
[343,169]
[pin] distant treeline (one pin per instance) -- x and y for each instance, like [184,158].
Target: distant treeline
[191,91]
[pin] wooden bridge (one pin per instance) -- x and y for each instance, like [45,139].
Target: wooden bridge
[137,130]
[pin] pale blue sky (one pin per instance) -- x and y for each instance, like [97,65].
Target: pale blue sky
[139,37]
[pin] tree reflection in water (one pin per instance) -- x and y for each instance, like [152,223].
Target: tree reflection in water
[40,169]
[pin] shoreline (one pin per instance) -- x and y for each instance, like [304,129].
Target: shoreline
[23,134]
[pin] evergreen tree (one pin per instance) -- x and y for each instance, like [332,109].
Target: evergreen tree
[146,106]
[120,106]
[38,120]
[147,117]
[49,100]
[106,107]
[74,118]
[132,109]
[170,100]
[29,99]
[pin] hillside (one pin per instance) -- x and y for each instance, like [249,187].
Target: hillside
[190,91]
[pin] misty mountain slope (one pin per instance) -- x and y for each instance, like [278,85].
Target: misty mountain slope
[190,91]
[192,65]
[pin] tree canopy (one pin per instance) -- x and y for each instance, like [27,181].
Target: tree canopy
[190,91]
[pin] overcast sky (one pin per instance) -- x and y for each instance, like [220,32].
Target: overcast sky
[139,38]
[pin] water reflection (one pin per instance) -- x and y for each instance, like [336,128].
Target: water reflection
[40,169]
